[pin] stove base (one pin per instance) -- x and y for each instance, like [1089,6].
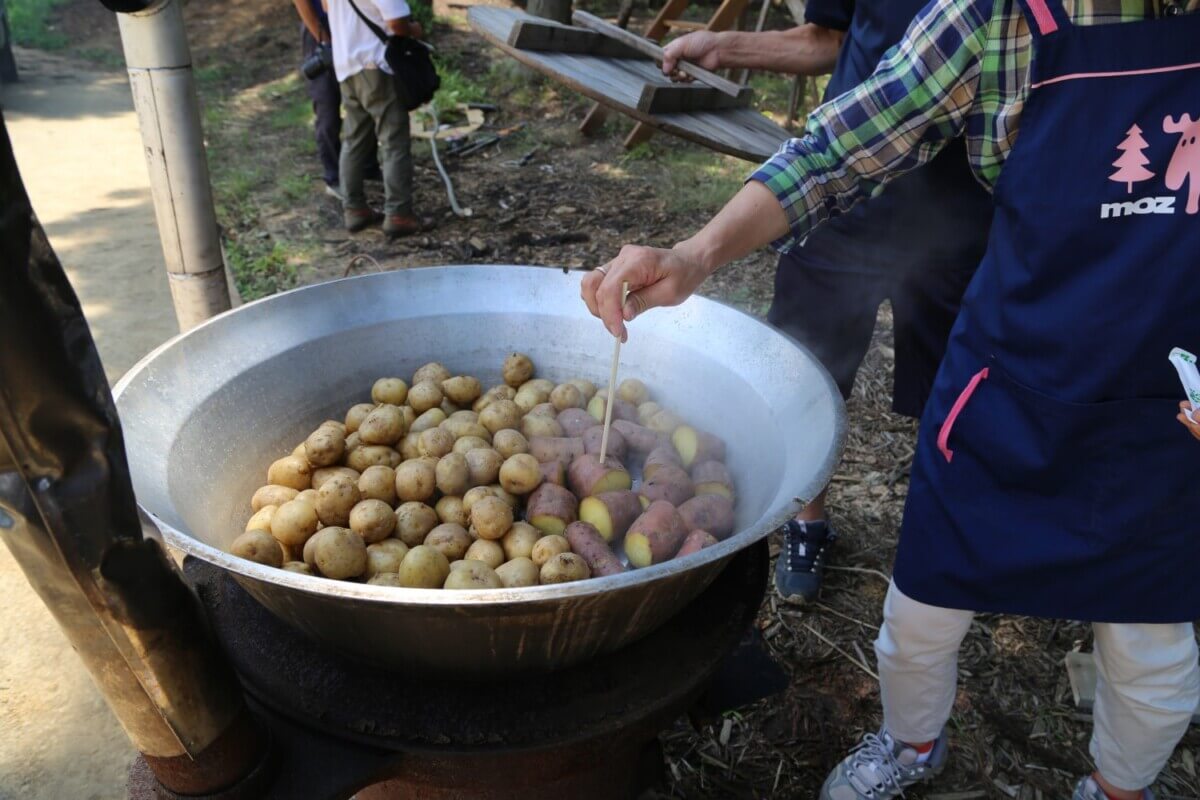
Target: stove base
[339,728]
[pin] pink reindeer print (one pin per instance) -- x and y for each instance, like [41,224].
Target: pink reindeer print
[1185,163]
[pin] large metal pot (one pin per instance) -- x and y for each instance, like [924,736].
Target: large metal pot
[207,412]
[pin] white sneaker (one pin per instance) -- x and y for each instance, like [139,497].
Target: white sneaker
[1088,789]
[881,768]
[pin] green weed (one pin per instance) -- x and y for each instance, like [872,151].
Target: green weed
[259,269]
[31,25]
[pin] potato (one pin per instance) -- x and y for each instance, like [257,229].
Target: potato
[501,392]
[378,482]
[293,523]
[621,409]
[410,445]
[261,519]
[638,439]
[424,396]
[670,483]
[384,559]
[695,446]
[633,391]
[335,499]
[323,474]
[551,509]
[340,553]
[611,513]
[448,408]
[542,385]
[548,547]
[663,422]
[461,427]
[565,396]
[271,495]
[587,542]
[518,572]
[424,568]
[517,369]
[487,551]
[452,475]
[340,427]
[414,521]
[468,443]
[537,425]
[298,450]
[462,390]
[519,540]
[356,415]
[663,455]
[587,476]
[393,391]
[647,410]
[309,551]
[298,566]
[384,425]
[710,512]
[543,410]
[450,540]
[564,568]
[369,455]
[450,509]
[473,575]
[491,517]
[325,446]
[293,472]
[416,480]
[530,396]
[520,474]
[353,440]
[696,541]
[258,546]
[555,448]
[433,372]
[655,536]
[574,421]
[712,477]
[385,579]
[308,496]
[435,442]
[553,472]
[499,415]
[373,520]
[392,544]
[594,437]
[475,494]
[509,443]
[510,499]
[430,419]
[484,466]
[586,388]
[465,415]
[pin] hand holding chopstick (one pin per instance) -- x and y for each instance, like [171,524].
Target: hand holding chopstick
[612,384]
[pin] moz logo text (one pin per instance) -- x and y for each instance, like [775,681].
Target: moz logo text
[1147,205]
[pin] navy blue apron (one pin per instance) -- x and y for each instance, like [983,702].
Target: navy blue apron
[1051,477]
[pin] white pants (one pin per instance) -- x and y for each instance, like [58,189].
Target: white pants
[1148,684]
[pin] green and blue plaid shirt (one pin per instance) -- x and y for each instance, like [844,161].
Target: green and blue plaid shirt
[961,70]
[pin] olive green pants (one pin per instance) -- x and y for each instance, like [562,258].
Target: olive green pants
[371,105]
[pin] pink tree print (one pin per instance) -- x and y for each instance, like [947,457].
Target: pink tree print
[1131,165]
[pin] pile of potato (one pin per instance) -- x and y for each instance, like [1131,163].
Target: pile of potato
[443,485]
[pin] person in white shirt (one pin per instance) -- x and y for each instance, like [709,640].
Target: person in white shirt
[372,102]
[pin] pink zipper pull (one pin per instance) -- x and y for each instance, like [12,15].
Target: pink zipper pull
[943,440]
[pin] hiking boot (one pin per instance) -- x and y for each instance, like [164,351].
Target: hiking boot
[881,768]
[359,218]
[397,225]
[1088,789]
[801,565]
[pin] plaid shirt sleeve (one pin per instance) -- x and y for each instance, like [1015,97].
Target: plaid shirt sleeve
[917,100]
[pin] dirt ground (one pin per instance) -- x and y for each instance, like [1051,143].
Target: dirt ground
[546,196]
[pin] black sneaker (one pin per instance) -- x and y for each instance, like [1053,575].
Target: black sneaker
[801,564]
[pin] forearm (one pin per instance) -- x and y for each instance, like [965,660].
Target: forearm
[752,219]
[310,19]
[804,50]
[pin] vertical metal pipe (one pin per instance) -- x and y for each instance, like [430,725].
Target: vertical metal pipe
[164,94]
